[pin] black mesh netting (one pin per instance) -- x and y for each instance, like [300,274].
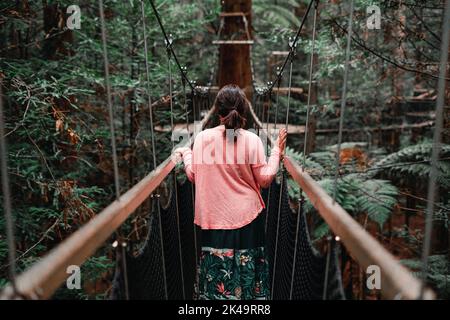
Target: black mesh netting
[145,272]
[309,276]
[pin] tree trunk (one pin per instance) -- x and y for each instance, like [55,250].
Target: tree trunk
[234,59]
[54,23]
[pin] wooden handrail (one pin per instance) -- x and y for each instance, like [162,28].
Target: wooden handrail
[42,279]
[397,282]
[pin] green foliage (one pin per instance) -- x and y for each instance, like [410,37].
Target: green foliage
[438,275]
[276,14]
[355,193]
[377,198]
[413,162]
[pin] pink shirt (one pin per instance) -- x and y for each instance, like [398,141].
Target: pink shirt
[228,176]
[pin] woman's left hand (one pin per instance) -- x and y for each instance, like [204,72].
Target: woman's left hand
[281,141]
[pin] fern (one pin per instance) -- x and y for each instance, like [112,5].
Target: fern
[414,162]
[377,198]
[354,193]
[314,168]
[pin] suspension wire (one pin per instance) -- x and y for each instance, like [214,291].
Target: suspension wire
[267,132]
[185,104]
[327,268]
[341,122]
[183,83]
[9,219]
[269,105]
[301,202]
[291,54]
[152,132]
[344,98]
[166,38]
[297,36]
[125,272]
[261,105]
[311,63]
[436,146]
[277,102]
[175,183]
[193,97]
[269,93]
[109,101]
[258,109]
[192,85]
[208,103]
[147,72]
[277,232]
[113,137]
[292,45]
[265,106]
[290,57]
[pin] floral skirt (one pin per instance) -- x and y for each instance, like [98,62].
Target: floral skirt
[232,263]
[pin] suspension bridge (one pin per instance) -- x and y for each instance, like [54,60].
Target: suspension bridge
[170,253]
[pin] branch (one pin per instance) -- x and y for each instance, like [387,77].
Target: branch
[394,63]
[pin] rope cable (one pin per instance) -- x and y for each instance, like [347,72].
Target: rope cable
[147,72]
[152,132]
[436,145]
[279,78]
[166,38]
[341,123]
[109,101]
[297,36]
[169,51]
[301,202]
[327,268]
[111,126]
[183,84]
[344,98]
[311,63]
[267,150]
[292,45]
[7,198]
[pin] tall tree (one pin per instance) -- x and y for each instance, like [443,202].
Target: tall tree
[234,59]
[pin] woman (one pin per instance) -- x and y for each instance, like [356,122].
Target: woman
[228,166]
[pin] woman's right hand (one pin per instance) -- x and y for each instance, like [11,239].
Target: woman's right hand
[177,155]
[281,141]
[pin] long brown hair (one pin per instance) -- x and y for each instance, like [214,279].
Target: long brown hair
[232,105]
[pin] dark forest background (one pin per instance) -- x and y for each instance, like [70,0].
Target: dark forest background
[58,137]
